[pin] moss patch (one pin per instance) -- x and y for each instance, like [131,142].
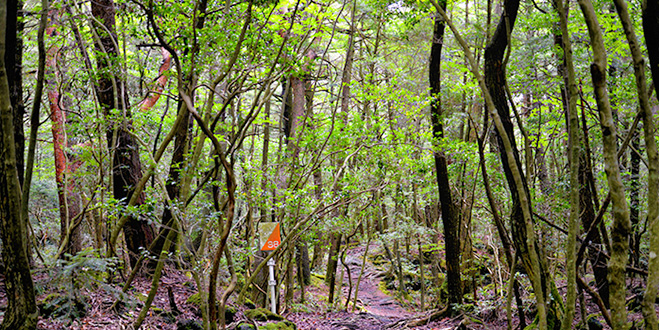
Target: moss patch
[284,325]
[262,314]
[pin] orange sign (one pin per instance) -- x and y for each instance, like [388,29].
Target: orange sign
[270,238]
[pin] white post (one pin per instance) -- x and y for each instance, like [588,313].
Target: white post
[272,283]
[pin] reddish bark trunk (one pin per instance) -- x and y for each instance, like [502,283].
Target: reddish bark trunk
[161,81]
[69,199]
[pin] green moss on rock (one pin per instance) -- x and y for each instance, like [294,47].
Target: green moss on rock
[249,303]
[283,325]
[245,326]
[262,314]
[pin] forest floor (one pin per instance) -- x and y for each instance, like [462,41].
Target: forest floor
[89,306]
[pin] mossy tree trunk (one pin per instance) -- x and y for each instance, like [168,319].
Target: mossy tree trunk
[21,311]
[574,148]
[621,224]
[650,27]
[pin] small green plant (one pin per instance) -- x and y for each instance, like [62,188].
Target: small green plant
[71,278]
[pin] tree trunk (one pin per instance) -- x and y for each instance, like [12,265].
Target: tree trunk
[650,27]
[574,149]
[22,310]
[588,203]
[634,201]
[521,222]
[69,198]
[653,172]
[449,209]
[173,184]
[332,261]
[621,224]
[14,66]
[126,164]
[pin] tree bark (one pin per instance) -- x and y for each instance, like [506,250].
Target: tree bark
[22,310]
[621,224]
[126,164]
[521,222]
[517,177]
[69,198]
[574,148]
[449,209]
[634,198]
[14,66]
[648,305]
[650,28]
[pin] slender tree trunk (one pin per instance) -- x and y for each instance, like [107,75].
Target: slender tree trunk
[21,310]
[173,184]
[534,266]
[650,27]
[574,147]
[346,78]
[621,224]
[588,201]
[634,195]
[69,198]
[653,170]
[332,261]
[126,164]
[449,209]
[521,221]
[297,118]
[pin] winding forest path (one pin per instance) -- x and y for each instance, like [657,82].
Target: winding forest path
[375,309]
[370,296]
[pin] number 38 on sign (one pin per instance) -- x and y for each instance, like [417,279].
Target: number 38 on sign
[269,236]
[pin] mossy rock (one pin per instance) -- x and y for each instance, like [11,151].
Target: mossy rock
[230,314]
[245,326]
[188,325]
[195,300]
[283,325]
[262,314]
[593,322]
[378,260]
[249,303]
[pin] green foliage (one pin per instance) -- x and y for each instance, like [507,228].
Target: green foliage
[82,273]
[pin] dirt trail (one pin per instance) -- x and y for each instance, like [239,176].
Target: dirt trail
[375,309]
[371,298]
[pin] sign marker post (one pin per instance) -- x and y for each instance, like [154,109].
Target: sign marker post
[269,240]
[272,283]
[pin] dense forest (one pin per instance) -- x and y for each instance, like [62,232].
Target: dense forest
[320,164]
